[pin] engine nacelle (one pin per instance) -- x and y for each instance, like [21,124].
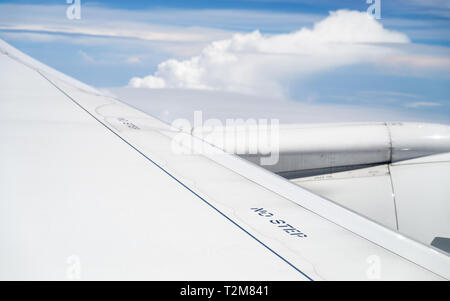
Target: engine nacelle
[396,174]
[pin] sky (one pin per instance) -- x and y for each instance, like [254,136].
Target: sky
[308,52]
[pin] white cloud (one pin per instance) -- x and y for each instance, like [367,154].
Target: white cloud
[86,56]
[419,61]
[115,30]
[261,64]
[158,25]
[422,104]
[165,104]
[133,60]
[152,81]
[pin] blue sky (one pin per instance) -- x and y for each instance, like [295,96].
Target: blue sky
[117,40]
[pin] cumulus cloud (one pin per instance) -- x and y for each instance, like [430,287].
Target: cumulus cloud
[254,63]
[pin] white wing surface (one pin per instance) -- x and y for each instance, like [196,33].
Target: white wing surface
[90,188]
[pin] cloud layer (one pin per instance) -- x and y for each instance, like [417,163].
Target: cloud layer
[165,104]
[254,63]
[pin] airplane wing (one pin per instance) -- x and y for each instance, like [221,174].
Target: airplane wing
[91,189]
